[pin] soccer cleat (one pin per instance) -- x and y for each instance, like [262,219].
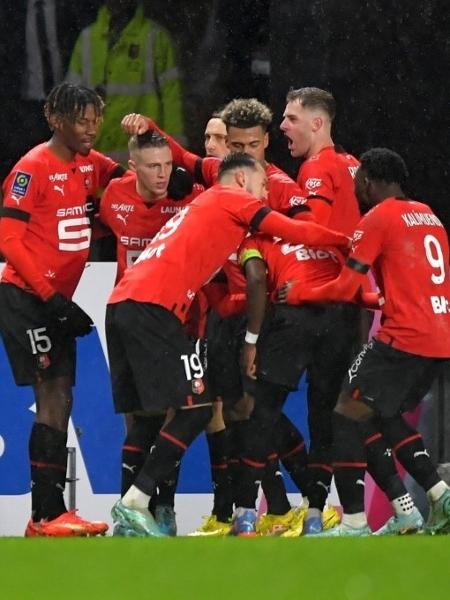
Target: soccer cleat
[68,524]
[296,525]
[343,530]
[272,525]
[402,524]
[165,519]
[211,527]
[140,522]
[439,518]
[121,531]
[330,517]
[312,525]
[244,523]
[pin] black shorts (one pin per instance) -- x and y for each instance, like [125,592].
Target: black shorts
[225,339]
[388,380]
[37,350]
[153,363]
[318,338]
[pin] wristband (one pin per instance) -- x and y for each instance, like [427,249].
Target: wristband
[251,338]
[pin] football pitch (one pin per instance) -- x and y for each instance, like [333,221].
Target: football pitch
[415,567]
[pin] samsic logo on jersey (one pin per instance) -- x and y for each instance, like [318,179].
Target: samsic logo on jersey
[128,208]
[313,183]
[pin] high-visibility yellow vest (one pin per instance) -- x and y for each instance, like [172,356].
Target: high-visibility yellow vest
[138,74]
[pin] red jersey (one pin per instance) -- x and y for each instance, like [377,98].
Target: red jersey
[286,262]
[134,222]
[210,228]
[328,177]
[54,198]
[407,247]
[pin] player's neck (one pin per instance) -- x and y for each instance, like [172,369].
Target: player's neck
[60,150]
[319,144]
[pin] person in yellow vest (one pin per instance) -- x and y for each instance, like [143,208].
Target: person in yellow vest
[131,62]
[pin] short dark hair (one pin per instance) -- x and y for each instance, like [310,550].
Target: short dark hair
[148,139]
[246,112]
[382,164]
[312,97]
[236,160]
[68,100]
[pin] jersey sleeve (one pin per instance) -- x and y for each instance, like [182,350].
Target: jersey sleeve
[286,196]
[318,187]
[368,239]
[107,168]
[21,188]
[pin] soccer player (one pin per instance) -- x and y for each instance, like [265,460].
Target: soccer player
[147,309]
[407,247]
[45,233]
[294,338]
[327,172]
[216,137]
[134,208]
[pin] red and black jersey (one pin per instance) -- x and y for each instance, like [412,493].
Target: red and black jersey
[54,199]
[407,247]
[311,267]
[328,177]
[209,229]
[134,222]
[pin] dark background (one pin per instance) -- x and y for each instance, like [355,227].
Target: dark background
[387,63]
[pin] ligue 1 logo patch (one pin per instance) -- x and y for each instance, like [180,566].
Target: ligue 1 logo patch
[198,387]
[21,183]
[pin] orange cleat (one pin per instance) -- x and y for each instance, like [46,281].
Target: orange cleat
[69,524]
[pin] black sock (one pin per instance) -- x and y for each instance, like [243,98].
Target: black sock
[349,463]
[218,456]
[167,489]
[408,446]
[137,443]
[170,446]
[48,458]
[291,449]
[236,436]
[274,488]
[380,461]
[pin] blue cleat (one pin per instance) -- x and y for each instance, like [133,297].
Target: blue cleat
[312,526]
[439,518]
[121,531]
[343,530]
[244,523]
[402,524]
[139,522]
[165,519]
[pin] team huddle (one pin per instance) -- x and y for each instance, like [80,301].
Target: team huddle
[233,281]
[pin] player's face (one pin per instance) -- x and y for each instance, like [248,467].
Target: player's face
[216,138]
[256,182]
[298,126]
[252,140]
[153,167]
[79,135]
[362,186]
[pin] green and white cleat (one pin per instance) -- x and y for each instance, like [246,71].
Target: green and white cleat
[121,531]
[343,530]
[141,522]
[165,519]
[402,524]
[439,518]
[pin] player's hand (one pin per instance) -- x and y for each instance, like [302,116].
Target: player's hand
[69,316]
[248,360]
[135,124]
[284,293]
[180,183]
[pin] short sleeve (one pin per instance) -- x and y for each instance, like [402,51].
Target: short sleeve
[22,187]
[368,239]
[315,180]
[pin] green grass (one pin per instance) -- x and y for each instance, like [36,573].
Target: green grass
[406,568]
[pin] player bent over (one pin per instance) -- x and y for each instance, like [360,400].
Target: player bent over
[147,309]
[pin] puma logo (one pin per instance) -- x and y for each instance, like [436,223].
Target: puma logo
[131,468]
[59,188]
[122,218]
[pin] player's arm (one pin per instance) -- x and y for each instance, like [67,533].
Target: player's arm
[13,226]
[254,268]
[297,232]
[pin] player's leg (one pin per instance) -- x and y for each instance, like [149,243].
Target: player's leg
[43,357]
